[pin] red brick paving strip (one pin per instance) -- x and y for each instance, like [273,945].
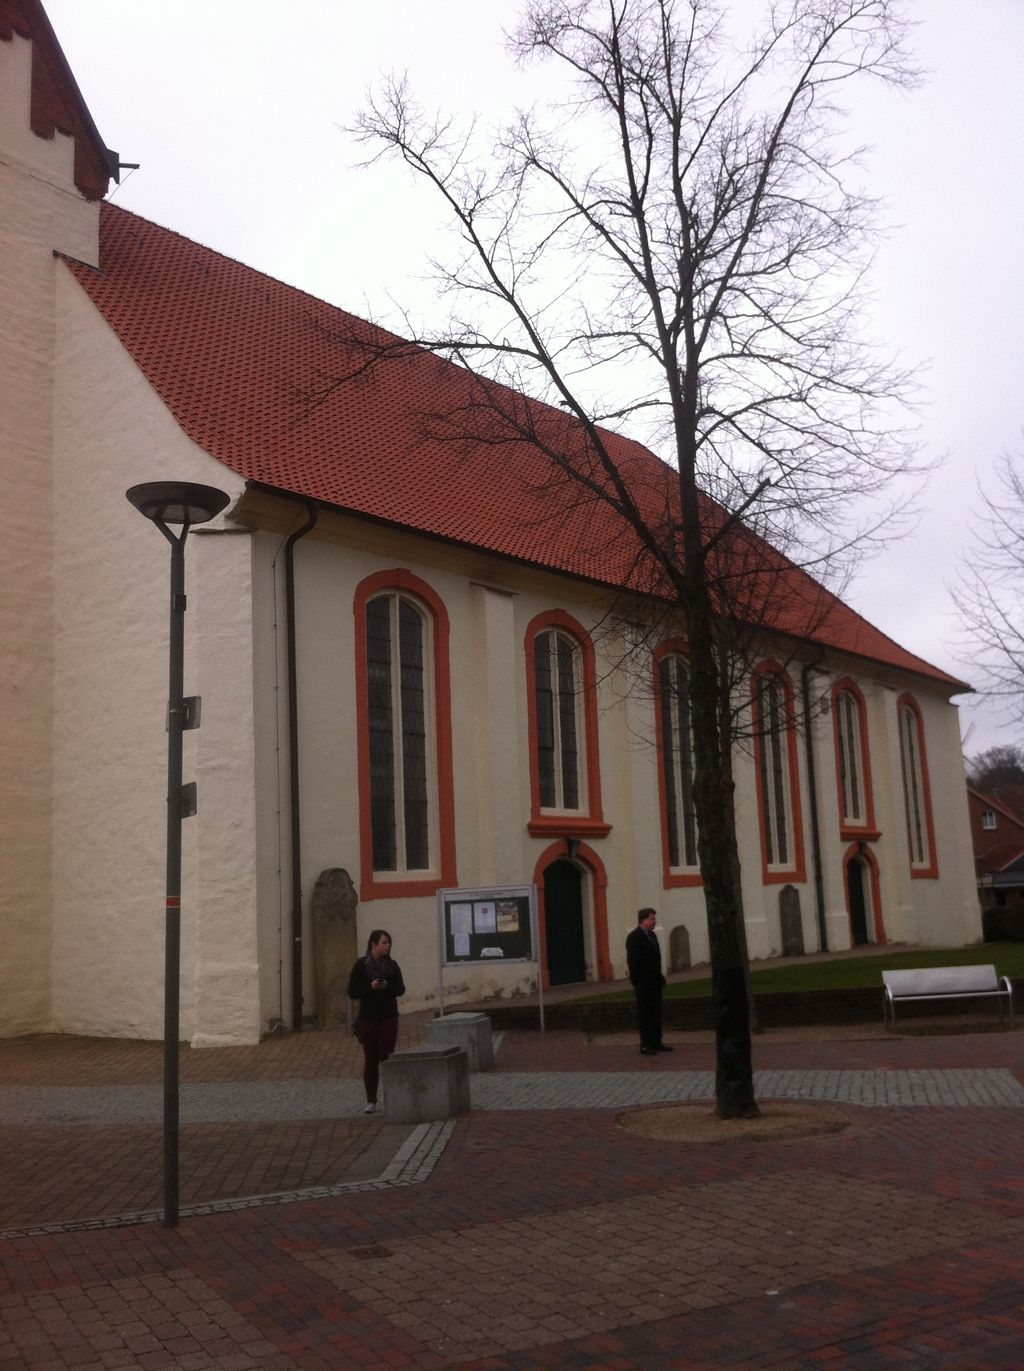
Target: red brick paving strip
[897,1243]
[66,1173]
[574,1274]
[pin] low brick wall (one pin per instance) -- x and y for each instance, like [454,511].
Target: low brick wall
[781,1010]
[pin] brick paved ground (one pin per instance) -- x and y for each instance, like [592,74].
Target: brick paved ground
[541,1238]
[65,1170]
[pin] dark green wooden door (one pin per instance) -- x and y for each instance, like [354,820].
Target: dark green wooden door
[563,918]
[858,911]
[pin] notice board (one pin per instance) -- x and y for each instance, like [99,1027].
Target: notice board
[488,924]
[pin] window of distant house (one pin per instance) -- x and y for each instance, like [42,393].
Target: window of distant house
[853,769]
[675,761]
[988,818]
[916,794]
[562,700]
[405,774]
[775,762]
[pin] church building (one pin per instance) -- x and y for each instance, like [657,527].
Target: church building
[410,654]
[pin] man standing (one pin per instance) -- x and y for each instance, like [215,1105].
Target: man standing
[643,959]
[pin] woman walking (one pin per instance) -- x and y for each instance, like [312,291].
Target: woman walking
[376,982]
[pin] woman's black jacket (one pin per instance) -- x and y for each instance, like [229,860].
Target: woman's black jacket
[375,1005]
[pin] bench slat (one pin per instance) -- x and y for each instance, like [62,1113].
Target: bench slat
[942,980]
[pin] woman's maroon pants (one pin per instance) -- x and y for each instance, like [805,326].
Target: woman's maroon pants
[378,1040]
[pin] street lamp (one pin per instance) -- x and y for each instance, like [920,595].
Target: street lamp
[180,504]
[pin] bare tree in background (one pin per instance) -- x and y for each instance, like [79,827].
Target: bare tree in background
[997,766]
[679,249]
[990,595]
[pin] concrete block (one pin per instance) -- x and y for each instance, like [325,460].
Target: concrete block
[425,1084]
[472,1032]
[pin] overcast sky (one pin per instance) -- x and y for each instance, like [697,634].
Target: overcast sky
[233,106]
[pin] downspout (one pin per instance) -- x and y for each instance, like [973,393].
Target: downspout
[293,764]
[812,793]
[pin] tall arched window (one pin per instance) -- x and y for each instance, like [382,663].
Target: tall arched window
[916,792]
[778,788]
[558,691]
[407,840]
[675,766]
[853,764]
[565,782]
[397,682]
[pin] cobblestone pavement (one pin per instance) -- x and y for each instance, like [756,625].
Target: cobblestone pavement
[241,1102]
[533,1233]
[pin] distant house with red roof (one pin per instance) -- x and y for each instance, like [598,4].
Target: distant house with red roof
[408,652]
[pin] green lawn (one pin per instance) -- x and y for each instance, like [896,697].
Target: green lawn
[1008,959]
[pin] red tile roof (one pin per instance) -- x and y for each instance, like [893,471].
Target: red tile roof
[235,356]
[1010,799]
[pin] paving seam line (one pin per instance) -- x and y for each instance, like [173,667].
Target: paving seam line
[412,1164]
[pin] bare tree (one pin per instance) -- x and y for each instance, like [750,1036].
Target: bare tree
[997,766]
[680,249]
[990,595]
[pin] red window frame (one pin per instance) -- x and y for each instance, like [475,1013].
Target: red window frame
[588,822]
[929,870]
[795,869]
[372,886]
[865,828]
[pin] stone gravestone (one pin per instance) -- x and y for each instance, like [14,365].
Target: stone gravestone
[679,949]
[792,923]
[334,944]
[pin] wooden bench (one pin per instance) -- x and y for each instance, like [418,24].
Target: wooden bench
[944,983]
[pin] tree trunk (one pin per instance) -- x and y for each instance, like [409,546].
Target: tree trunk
[720,867]
[734,1073]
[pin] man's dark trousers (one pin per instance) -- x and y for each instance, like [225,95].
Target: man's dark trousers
[648,1015]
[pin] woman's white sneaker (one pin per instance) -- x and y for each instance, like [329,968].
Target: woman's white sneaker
[371,1108]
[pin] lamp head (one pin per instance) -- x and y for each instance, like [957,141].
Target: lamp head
[177,502]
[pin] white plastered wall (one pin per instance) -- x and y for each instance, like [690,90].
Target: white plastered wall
[490,605]
[42,212]
[943,911]
[936,912]
[111,579]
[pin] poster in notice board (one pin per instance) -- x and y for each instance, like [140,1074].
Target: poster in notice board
[488,924]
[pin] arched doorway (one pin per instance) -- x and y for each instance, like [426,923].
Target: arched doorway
[863,896]
[563,923]
[857,901]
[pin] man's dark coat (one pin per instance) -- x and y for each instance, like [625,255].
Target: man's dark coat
[643,960]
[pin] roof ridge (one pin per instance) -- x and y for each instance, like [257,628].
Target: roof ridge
[108,207]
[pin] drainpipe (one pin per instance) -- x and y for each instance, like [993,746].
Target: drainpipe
[293,764]
[812,792]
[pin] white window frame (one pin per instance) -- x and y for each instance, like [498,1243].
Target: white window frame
[911,745]
[851,759]
[399,820]
[562,703]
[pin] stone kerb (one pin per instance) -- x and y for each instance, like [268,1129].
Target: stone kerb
[426,1084]
[471,1032]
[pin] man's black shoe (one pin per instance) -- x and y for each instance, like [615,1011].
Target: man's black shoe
[648,1051]
[663,1047]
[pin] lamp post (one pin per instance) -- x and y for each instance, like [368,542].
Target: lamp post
[181,505]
